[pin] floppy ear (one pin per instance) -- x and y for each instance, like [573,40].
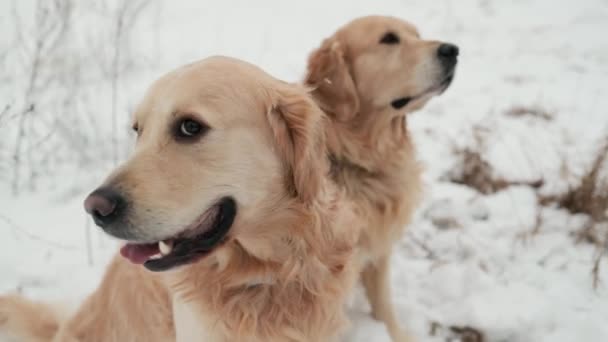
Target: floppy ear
[296,124]
[331,81]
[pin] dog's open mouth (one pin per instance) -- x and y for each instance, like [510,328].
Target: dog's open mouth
[196,241]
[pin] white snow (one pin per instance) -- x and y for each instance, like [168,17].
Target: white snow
[467,260]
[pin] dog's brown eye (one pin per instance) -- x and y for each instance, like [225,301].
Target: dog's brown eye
[389,38]
[189,128]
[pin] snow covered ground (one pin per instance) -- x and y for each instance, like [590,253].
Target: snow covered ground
[469,260]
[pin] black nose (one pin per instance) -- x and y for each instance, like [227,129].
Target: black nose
[447,54]
[105,205]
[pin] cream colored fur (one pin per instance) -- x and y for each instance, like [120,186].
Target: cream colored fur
[287,265]
[355,78]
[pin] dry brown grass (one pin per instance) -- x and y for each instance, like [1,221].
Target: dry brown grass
[467,334]
[595,270]
[474,171]
[589,197]
[533,111]
[456,333]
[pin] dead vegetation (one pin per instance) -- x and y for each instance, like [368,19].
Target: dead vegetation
[52,19]
[531,111]
[474,171]
[466,334]
[456,333]
[472,168]
[589,197]
[56,68]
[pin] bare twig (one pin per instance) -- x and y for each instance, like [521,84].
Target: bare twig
[51,25]
[595,271]
[474,171]
[17,229]
[537,112]
[50,78]
[590,196]
[456,333]
[4,111]
[429,252]
[126,15]
[114,77]
[467,334]
[538,222]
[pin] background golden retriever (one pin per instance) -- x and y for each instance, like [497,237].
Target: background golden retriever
[368,76]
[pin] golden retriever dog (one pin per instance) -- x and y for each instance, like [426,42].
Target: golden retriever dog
[367,77]
[234,230]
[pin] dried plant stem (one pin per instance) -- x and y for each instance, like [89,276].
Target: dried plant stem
[28,108]
[118,31]
[595,271]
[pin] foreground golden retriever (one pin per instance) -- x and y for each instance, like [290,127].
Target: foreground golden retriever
[367,77]
[227,192]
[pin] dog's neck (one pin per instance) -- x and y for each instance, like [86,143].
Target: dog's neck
[248,289]
[366,145]
[340,164]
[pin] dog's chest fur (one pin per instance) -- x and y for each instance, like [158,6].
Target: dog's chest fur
[190,325]
[385,199]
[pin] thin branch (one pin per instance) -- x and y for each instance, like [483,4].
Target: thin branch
[429,252]
[125,19]
[4,111]
[51,27]
[114,77]
[17,229]
[602,250]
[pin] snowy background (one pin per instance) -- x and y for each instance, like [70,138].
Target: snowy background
[495,250]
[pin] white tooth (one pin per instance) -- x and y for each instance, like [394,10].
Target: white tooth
[156,256]
[164,247]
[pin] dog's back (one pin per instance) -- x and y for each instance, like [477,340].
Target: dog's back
[24,320]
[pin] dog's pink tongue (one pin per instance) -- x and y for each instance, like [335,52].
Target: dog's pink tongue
[138,253]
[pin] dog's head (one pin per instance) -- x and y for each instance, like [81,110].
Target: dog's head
[220,146]
[379,64]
